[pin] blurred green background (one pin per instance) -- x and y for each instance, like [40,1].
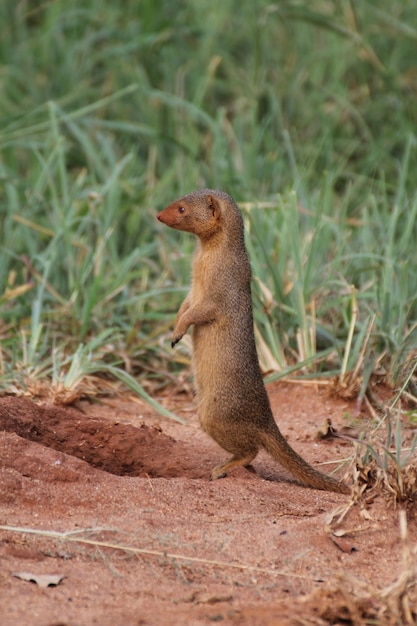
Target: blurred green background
[304,112]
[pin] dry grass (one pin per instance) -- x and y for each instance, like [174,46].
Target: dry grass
[353,601]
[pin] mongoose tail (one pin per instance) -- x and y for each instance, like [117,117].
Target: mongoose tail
[279,449]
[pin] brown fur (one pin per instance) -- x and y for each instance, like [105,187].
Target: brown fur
[233,404]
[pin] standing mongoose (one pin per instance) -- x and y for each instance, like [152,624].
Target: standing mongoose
[233,405]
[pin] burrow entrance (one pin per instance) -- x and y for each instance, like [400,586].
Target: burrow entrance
[120,449]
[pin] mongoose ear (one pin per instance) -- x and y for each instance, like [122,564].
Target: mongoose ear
[214,206]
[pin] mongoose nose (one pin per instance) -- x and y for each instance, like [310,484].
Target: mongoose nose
[158,217]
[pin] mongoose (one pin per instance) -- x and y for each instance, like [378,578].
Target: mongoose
[233,405]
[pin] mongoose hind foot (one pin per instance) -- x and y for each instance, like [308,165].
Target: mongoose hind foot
[221,471]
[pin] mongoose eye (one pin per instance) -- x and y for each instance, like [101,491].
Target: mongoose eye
[181,209]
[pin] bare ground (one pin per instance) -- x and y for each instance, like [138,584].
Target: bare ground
[150,540]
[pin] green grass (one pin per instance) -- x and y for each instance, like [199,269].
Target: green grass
[305,115]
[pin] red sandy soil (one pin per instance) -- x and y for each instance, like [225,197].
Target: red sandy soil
[167,546]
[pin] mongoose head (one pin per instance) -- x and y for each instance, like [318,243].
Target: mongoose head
[205,213]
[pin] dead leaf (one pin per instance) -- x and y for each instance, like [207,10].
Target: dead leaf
[365,514]
[213,599]
[343,544]
[42,580]
[328,431]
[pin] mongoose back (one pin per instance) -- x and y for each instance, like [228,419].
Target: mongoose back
[233,405]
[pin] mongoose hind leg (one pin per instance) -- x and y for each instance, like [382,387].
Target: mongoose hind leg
[222,470]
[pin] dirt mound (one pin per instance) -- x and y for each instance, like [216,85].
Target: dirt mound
[120,449]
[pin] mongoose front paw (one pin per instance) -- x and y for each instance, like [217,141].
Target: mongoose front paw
[175,340]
